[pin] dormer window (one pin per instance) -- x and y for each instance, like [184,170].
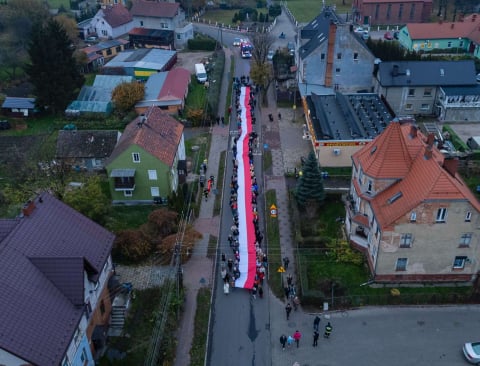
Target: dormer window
[468,217]
[441,215]
[413,217]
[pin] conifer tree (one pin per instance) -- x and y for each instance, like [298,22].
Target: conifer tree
[309,191]
[53,70]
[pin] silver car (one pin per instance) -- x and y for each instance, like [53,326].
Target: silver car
[472,352]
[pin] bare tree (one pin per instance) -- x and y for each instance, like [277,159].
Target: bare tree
[262,42]
[261,70]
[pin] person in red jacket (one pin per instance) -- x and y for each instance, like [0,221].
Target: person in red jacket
[297,335]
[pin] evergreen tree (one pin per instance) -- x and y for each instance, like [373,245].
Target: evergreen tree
[309,192]
[53,70]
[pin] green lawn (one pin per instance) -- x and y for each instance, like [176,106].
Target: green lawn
[128,217]
[305,10]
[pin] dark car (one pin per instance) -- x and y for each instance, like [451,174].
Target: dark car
[5,125]
[395,34]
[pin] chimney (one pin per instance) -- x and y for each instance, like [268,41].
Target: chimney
[430,140]
[452,25]
[395,70]
[413,131]
[28,208]
[451,165]
[428,153]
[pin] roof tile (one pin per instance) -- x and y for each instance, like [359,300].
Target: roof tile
[41,261]
[419,179]
[160,9]
[157,133]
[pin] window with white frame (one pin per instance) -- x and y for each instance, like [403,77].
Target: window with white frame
[155,191]
[127,193]
[465,239]
[136,157]
[413,217]
[441,215]
[459,262]
[164,25]
[152,175]
[406,240]
[401,264]
[408,106]
[425,107]
[468,217]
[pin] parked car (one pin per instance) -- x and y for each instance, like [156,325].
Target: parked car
[365,35]
[395,34]
[4,125]
[270,55]
[388,36]
[92,39]
[359,30]
[237,41]
[291,48]
[472,352]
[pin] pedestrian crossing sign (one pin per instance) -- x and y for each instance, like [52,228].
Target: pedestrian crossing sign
[281,270]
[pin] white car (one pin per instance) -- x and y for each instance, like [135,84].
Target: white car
[270,55]
[472,352]
[237,41]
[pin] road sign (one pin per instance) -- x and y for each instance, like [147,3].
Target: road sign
[281,270]
[273,211]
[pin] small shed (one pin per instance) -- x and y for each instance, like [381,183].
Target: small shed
[18,107]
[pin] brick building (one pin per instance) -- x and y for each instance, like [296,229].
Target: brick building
[382,12]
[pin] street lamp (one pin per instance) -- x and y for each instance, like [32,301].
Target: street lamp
[459,44]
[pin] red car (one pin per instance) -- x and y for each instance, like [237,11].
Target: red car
[388,36]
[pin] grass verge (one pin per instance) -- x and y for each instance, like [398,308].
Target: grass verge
[199,343]
[217,205]
[230,88]
[274,249]
[212,246]
[305,10]
[267,160]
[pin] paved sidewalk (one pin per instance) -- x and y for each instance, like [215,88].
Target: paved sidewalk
[198,270]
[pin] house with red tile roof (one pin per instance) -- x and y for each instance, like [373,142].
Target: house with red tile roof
[112,21]
[167,90]
[160,24]
[460,37]
[55,266]
[149,161]
[382,12]
[410,212]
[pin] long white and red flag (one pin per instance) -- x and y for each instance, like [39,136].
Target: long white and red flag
[246,238]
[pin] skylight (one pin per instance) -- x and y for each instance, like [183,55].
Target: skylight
[373,150]
[395,197]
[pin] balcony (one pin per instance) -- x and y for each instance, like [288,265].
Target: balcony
[124,179]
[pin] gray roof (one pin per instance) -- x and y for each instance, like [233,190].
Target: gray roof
[144,58]
[427,73]
[97,98]
[23,103]
[360,116]
[462,90]
[42,261]
[317,31]
[86,143]
[153,85]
